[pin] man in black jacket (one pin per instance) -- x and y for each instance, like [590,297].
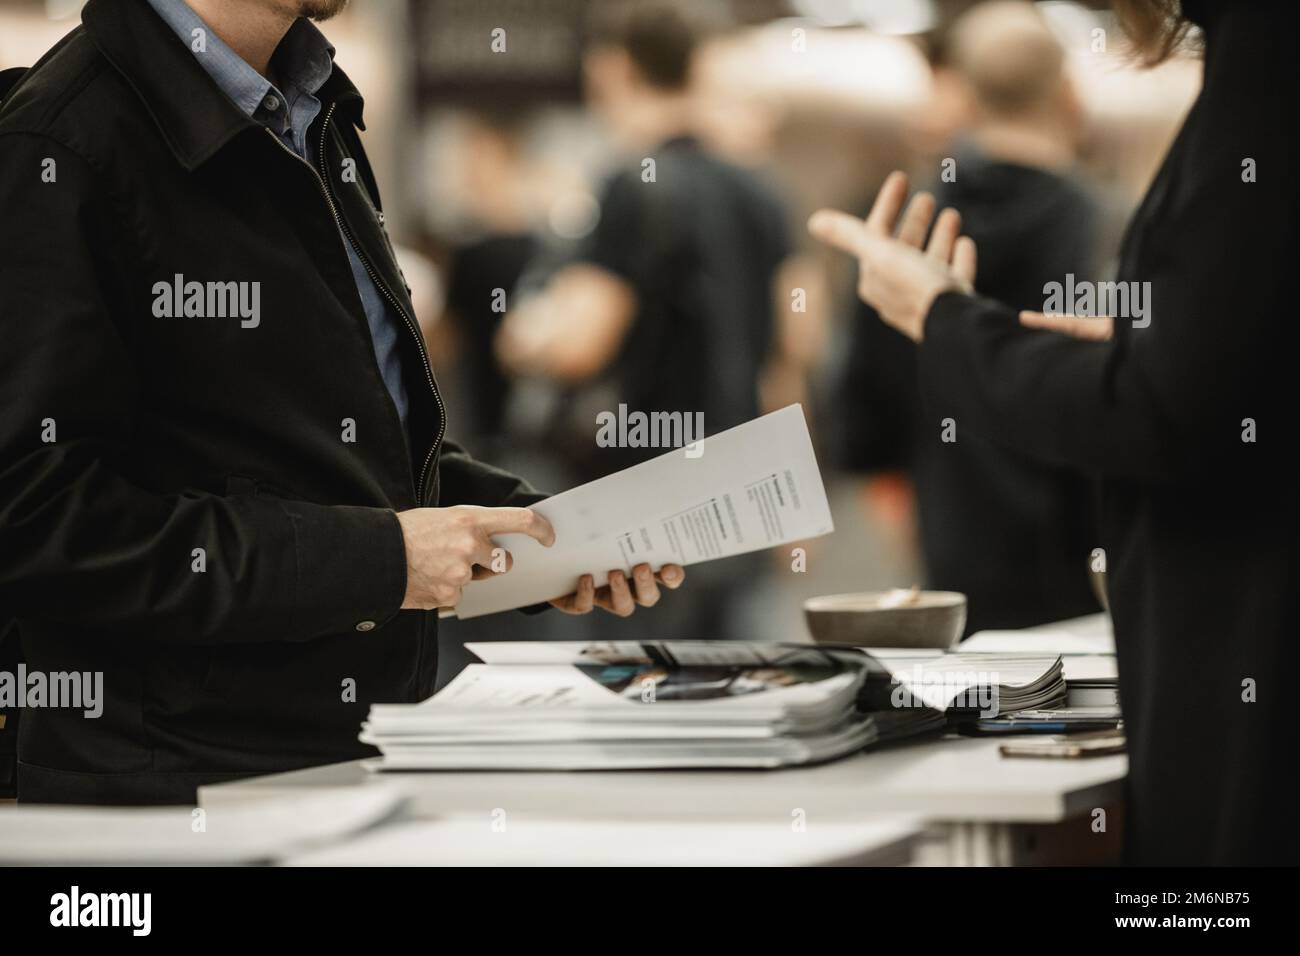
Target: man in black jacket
[224,481]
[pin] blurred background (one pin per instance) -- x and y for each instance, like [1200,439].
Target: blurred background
[510,140]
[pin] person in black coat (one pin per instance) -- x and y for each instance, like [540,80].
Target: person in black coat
[1182,408]
[226,483]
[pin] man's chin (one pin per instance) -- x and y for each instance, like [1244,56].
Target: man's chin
[319,10]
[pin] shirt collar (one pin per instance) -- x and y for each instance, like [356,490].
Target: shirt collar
[303,60]
[195,118]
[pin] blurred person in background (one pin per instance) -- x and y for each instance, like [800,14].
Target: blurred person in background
[1012,533]
[1184,413]
[668,304]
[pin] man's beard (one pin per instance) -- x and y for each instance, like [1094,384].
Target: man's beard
[320,9]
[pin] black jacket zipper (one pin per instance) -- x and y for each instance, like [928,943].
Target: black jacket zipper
[322,179]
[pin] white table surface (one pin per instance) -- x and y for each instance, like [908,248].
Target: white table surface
[951,779]
[479,840]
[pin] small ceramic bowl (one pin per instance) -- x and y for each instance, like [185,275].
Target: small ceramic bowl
[930,619]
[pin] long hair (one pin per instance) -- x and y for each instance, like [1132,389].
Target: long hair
[1156,27]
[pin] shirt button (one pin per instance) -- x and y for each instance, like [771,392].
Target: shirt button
[366,626]
[272,103]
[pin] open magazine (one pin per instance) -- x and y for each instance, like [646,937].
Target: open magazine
[665,704]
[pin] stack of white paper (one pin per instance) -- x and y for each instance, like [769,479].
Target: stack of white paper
[663,704]
[632,705]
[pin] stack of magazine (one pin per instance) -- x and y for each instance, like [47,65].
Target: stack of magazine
[677,704]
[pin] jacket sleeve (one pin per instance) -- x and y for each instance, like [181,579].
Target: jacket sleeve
[1171,393]
[468,481]
[1066,402]
[83,544]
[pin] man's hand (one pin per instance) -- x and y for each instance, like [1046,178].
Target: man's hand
[618,596]
[446,548]
[895,277]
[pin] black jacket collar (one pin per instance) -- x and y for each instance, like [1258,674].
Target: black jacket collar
[195,117]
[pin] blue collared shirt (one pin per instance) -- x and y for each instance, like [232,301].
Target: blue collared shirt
[303,62]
